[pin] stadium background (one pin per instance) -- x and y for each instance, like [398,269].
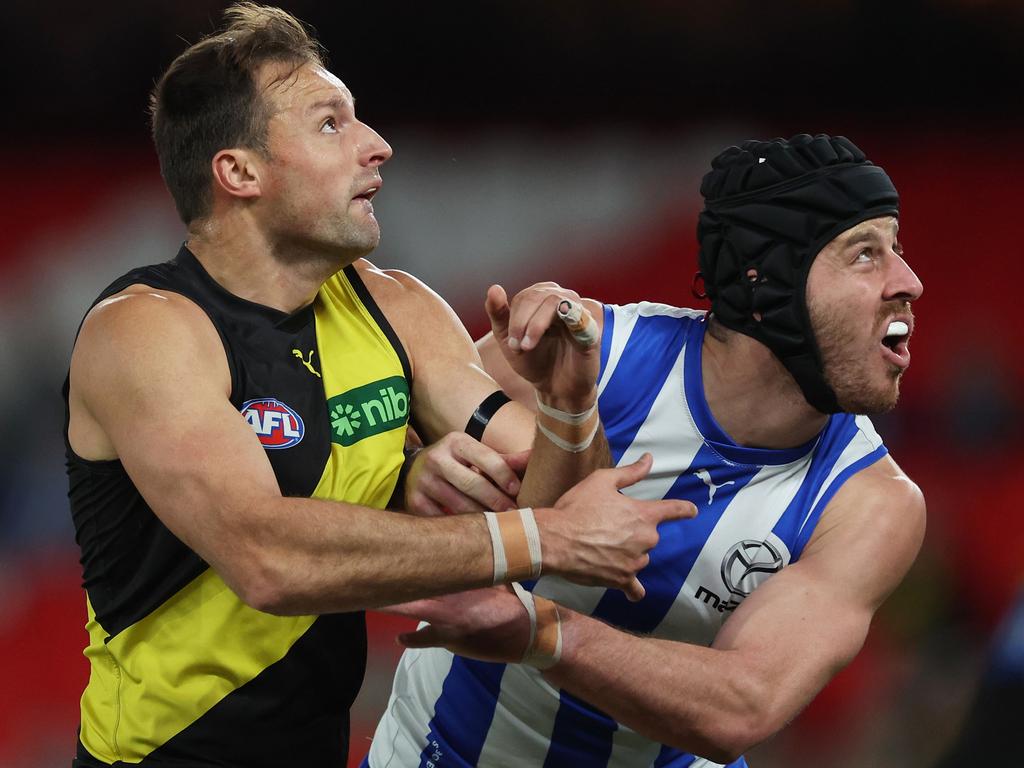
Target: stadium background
[566,141]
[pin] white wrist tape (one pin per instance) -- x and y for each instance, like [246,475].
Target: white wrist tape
[564,416]
[515,541]
[545,647]
[565,445]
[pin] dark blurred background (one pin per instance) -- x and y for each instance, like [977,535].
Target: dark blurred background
[566,141]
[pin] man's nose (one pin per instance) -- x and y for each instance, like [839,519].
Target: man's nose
[903,281]
[374,150]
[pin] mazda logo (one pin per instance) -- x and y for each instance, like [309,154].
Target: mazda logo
[745,561]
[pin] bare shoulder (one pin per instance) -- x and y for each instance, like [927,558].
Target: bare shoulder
[875,524]
[142,333]
[148,318]
[137,346]
[394,286]
[421,317]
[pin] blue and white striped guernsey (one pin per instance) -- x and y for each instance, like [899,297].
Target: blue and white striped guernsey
[757,509]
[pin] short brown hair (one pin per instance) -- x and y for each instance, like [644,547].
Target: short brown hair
[209,100]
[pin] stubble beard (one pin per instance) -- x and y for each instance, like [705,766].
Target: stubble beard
[847,366]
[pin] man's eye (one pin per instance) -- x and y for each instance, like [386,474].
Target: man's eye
[864,255]
[329,126]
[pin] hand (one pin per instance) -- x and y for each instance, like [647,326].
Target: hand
[460,474]
[539,347]
[598,536]
[487,624]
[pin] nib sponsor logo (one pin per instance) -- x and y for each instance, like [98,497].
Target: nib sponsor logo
[275,424]
[368,410]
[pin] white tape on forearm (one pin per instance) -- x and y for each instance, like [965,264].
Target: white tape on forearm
[515,541]
[545,647]
[498,547]
[532,540]
[564,416]
[565,445]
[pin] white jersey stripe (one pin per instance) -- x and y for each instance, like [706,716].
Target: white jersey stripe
[757,508]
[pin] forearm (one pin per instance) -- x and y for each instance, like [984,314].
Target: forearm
[701,700]
[553,470]
[311,556]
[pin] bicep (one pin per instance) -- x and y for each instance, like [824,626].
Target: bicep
[155,379]
[808,621]
[449,380]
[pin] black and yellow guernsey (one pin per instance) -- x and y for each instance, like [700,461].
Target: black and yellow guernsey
[182,671]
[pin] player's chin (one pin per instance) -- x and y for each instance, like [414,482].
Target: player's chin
[871,401]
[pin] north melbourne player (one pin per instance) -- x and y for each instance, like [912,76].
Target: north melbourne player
[756,413]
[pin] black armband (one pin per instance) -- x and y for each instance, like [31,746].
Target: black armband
[484,413]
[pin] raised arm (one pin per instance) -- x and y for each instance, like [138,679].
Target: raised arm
[772,656]
[150,386]
[449,380]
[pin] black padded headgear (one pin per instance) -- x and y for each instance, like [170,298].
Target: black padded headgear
[771,206]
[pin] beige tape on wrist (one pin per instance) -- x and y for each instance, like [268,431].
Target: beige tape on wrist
[572,432]
[545,647]
[515,541]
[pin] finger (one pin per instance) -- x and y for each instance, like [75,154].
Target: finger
[579,322]
[632,473]
[543,318]
[673,509]
[421,505]
[428,637]
[496,306]
[517,461]
[523,308]
[490,462]
[476,487]
[423,610]
[456,502]
[635,591]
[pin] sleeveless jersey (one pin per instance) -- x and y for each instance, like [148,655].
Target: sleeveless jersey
[182,671]
[757,509]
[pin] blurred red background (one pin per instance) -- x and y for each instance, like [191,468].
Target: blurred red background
[533,180]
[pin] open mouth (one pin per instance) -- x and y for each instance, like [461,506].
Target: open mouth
[367,195]
[897,335]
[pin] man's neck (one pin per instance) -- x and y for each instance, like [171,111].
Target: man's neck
[245,262]
[752,396]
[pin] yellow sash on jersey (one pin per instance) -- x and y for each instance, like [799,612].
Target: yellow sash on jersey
[161,674]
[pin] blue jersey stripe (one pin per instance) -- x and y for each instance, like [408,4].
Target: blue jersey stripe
[807,529]
[606,338]
[839,431]
[709,427]
[678,547]
[652,349]
[670,757]
[463,714]
[582,736]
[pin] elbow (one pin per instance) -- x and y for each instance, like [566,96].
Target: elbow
[745,721]
[724,746]
[263,597]
[260,585]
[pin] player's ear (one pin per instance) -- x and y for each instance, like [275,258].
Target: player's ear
[237,172]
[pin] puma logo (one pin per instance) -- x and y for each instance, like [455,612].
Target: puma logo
[308,363]
[704,475]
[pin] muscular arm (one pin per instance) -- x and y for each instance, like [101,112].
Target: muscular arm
[150,386]
[771,657]
[779,648]
[150,378]
[449,382]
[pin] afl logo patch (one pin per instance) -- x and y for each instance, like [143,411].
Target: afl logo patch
[275,424]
